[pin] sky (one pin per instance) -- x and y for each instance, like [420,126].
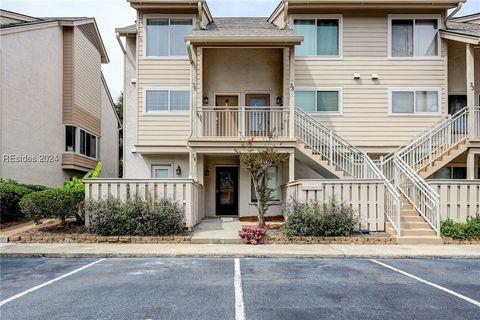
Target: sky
[111,14]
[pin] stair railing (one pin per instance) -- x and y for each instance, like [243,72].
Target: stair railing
[420,194]
[476,122]
[425,149]
[346,158]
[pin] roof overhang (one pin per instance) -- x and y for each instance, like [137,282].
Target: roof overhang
[460,37]
[127,31]
[259,39]
[171,4]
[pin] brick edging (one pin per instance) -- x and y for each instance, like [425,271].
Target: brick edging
[99,239]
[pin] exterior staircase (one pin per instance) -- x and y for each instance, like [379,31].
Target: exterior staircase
[315,161]
[409,166]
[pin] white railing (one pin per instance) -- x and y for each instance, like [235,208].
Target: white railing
[364,196]
[187,192]
[342,155]
[421,195]
[243,121]
[425,149]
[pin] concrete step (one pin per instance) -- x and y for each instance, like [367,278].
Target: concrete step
[413,224]
[419,240]
[424,232]
[417,219]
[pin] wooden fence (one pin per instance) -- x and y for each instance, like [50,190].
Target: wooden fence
[459,199]
[366,197]
[187,192]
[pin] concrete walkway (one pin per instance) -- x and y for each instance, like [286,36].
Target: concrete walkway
[218,231]
[232,250]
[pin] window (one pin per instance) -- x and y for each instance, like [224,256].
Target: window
[70,137]
[321,37]
[161,172]
[273,182]
[166,37]
[88,144]
[325,100]
[167,101]
[414,38]
[415,101]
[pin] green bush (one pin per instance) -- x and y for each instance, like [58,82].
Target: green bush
[51,203]
[135,217]
[10,196]
[320,219]
[461,231]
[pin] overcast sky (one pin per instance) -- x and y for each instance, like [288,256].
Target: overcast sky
[111,14]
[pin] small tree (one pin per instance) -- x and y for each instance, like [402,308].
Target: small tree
[257,161]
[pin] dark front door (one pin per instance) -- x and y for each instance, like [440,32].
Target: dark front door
[226,189]
[455,104]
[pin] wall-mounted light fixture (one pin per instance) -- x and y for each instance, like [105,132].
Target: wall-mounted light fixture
[179,171]
[207,172]
[279,101]
[205,100]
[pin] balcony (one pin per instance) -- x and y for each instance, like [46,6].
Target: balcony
[239,122]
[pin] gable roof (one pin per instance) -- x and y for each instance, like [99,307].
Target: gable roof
[15,22]
[231,30]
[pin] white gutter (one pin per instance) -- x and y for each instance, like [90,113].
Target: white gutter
[285,14]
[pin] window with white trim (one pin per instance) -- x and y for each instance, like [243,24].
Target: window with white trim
[414,101]
[325,100]
[166,36]
[162,172]
[414,38]
[273,183]
[167,101]
[321,37]
[88,144]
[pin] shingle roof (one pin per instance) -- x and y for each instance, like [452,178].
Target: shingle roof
[463,28]
[241,29]
[41,20]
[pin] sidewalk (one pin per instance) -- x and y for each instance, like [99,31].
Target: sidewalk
[243,251]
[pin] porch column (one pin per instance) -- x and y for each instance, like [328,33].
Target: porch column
[291,167]
[193,165]
[471,164]
[470,76]
[291,91]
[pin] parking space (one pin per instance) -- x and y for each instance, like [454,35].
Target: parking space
[209,289]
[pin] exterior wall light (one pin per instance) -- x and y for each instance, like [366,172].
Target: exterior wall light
[279,101]
[179,171]
[205,100]
[207,172]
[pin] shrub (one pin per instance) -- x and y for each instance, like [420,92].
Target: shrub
[51,203]
[135,217]
[461,231]
[319,220]
[10,196]
[252,234]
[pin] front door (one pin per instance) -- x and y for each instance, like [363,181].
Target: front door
[227,116]
[226,189]
[258,123]
[455,104]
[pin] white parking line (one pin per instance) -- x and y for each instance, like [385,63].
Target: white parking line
[21,294]
[239,307]
[456,294]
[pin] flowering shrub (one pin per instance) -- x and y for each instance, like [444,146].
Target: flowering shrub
[252,234]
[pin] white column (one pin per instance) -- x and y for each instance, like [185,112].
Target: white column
[471,165]
[292,93]
[470,76]
[291,167]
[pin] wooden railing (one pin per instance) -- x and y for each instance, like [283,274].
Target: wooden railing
[459,199]
[243,121]
[187,192]
[366,197]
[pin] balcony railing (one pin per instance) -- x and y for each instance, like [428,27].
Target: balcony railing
[243,121]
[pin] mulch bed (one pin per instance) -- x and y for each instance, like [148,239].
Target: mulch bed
[267,219]
[457,241]
[8,224]
[73,233]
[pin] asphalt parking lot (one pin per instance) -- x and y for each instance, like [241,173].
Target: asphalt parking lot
[239,289]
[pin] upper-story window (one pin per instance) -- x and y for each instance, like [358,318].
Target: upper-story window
[164,100]
[166,36]
[321,37]
[327,100]
[414,37]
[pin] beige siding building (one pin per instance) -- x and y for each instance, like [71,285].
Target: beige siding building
[57,116]
[351,90]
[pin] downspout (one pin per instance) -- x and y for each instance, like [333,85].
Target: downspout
[121,43]
[451,15]
[192,155]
